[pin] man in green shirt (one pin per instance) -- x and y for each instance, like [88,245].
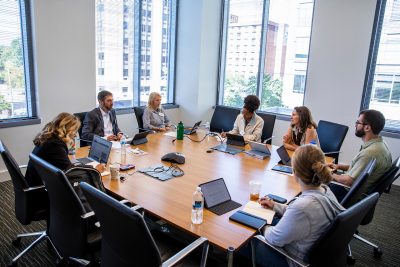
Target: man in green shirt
[368,126]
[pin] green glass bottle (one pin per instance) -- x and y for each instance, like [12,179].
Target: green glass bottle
[179,131]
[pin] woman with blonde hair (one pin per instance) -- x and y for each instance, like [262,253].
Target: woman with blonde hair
[304,220]
[52,144]
[154,116]
[302,129]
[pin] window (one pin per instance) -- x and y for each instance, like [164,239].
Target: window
[121,31]
[382,86]
[265,52]
[17,92]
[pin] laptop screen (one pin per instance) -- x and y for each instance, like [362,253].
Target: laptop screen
[283,154]
[215,192]
[100,149]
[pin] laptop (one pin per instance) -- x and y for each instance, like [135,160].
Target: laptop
[258,150]
[285,158]
[217,198]
[140,138]
[193,129]
[235,139]
[99,151]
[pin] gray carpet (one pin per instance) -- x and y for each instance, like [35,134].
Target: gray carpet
[384,230]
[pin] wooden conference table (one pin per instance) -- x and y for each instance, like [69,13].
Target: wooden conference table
[171,200]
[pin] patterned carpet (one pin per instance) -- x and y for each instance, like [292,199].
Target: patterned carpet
[384,230]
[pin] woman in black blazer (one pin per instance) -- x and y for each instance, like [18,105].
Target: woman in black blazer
[52,143]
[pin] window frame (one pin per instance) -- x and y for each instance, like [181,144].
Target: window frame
[29,71]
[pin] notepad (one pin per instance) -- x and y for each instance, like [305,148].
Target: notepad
[254,208]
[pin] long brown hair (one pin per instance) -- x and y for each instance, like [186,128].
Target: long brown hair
[61,126]
[309,165]
[305,118]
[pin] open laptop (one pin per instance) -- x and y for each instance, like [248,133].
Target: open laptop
[140,138]
[258,150]
[99,151]
[235,139]
[193,129]
[217,198]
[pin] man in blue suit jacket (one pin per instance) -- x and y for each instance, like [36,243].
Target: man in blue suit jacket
[102,121]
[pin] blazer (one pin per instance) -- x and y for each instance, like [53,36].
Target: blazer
[93,124]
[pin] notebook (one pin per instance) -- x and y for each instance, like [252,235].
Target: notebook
[253,215]
[192,130]
[99,151]
[258,150]
[217,198]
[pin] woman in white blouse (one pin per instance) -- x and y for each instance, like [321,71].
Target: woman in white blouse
[154,117]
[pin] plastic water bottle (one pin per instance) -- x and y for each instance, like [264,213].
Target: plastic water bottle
[197,206]
[71,149]
[207,126]
[123,148]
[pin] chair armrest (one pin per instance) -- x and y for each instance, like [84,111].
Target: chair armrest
[87,215]
[33,188]
[339,184]
[136,208]
[22,166]
[184,252]
[278,249]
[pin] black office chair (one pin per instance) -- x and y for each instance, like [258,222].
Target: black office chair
[331,136]
[139,117]
[223,118]
[269,123]
[126,239]
[329,249]
[71,232]
[81,116]
[31,203]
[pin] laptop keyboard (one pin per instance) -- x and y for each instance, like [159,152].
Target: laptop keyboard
[225,207]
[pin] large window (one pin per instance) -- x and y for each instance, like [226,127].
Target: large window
[17,101]
[382,87]
[135,43]
[265,52]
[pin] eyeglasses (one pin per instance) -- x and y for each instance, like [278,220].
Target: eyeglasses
[357,122]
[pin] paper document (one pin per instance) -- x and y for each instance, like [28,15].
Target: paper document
[254,208]
[172,134]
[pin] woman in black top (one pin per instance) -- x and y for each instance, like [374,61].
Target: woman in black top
[52,143]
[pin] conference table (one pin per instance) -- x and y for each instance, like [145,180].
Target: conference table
[171,200]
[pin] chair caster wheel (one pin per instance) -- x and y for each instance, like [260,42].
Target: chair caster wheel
[16,242]
[377,253]
[350,260]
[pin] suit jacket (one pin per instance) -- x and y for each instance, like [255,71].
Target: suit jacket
[93,124]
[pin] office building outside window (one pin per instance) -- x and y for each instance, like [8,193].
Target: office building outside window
[265,52]
[17,92]
[382,87]
[134,40]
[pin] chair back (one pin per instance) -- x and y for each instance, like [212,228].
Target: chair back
[269,123]
[357,188]
[68,231]
[26,208]
[139,117]
[81,116]
[126,240]
[331,248]
[223,118]
[331,136]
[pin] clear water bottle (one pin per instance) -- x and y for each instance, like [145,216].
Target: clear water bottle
[197,206]
[71,148]
[123,148]
[207,126]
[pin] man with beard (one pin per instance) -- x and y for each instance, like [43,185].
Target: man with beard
[102,121]
[368,126]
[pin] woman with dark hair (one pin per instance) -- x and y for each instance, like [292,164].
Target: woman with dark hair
[248,123]
[304,220]
[302,129]
[52,144]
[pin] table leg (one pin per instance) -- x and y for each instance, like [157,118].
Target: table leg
[230,256]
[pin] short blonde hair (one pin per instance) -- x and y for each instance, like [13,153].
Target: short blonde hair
[61,126]
[309,165]
[151,98]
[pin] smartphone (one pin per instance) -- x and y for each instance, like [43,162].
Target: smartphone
[277,198]
[126,167]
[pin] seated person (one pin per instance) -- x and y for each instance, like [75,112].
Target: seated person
[102,121]
[302,129]
[52,144]
[154,116]
[248,123]
[305,219]
[368,127]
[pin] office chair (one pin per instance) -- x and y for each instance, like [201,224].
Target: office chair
[139,117]
[223,118]
[269,123]
[81,116]
[127,240]
[71,232]
[329,250]
[31,203]
[331,136]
